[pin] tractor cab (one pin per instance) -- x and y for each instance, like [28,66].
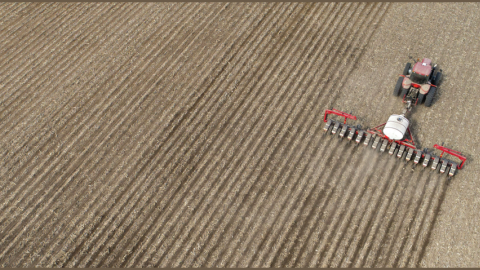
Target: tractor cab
[418,79]
[421,72]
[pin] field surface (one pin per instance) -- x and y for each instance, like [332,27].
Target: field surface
[190,134]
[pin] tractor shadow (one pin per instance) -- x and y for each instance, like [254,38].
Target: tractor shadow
[439,93]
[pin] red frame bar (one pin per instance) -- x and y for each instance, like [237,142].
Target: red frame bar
[406,142]
[451,152]
[339,113]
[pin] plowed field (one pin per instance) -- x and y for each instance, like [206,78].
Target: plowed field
[190,135]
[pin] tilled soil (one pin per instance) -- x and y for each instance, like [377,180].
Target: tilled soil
[190,135]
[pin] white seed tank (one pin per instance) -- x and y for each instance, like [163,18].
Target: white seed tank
[396,127]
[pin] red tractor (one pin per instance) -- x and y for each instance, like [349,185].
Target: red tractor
[418,84]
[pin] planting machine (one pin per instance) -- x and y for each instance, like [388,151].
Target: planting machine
[396,137]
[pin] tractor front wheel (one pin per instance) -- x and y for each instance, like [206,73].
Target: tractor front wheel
[407,69]
[430,95]
[398,86]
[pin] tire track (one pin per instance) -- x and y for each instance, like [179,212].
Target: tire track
[391,199]
[275,132]
[11,47]
[235,114]
[22,56]
[365,259]
[25,171]
[370,194]
[214,207]
[288,141]
[204,235]
[22,100]
[45,128]
[135,191]
[427,227]
[417,222]
[405,224]
[17,26]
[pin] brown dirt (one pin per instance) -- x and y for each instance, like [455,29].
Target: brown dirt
[163,134]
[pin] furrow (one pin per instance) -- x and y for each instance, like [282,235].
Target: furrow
[419,218]
[14,47]
[26,170]
[136,233]
[16,114]
[29,55]
[368,187]
[372,196]
[137,193]
[13,158]
[12,12]
[270,132]
[426,228]
[13,29]
[235,115]
[417,196]
[270,209]
[77,112]
[132,152]
[392,231]
[203,236]
[305,210]
[351,245]
[201,211]
[320,217]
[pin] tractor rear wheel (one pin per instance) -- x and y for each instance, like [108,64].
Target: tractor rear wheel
[404,92]
[438,77]
[398,86]
[420,98]
[406,69]
[430,95]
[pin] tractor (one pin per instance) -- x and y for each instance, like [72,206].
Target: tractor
[394,136]
[418,84]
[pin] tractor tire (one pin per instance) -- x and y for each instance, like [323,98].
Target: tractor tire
[430,96]
[398,86]
[420,99]
[406,69]
[404,92]
[438,77]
